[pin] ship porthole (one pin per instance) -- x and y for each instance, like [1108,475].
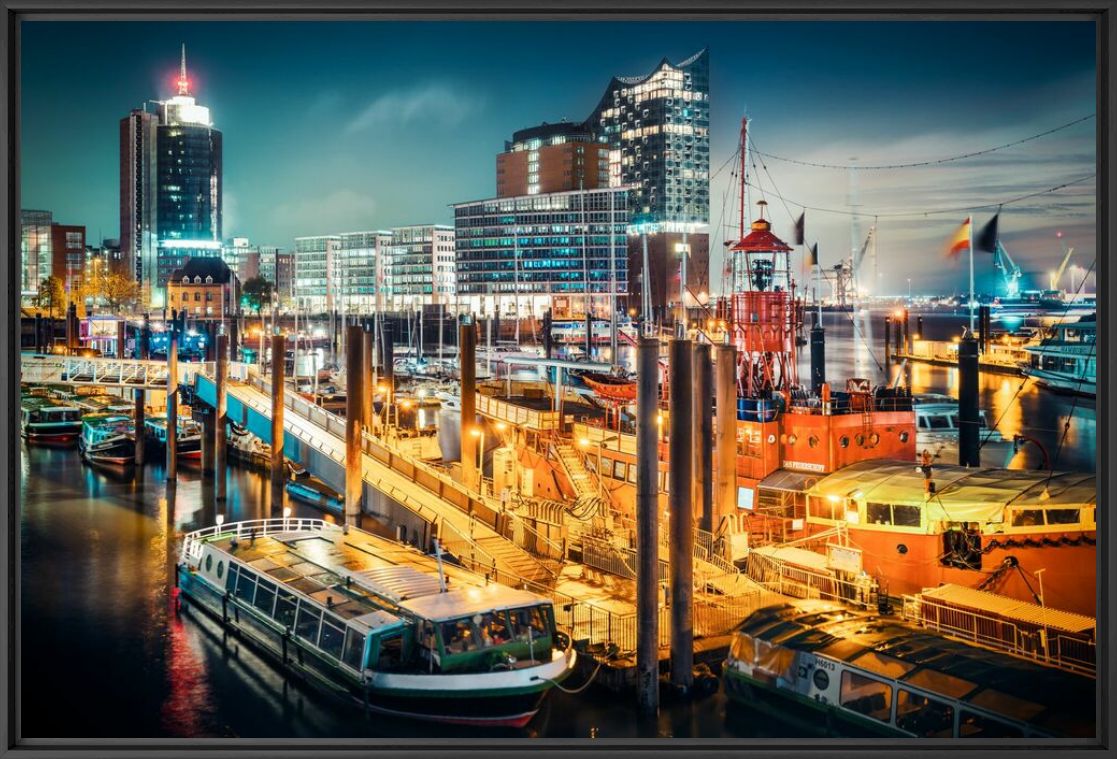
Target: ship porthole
[812,441]
[861,440]
[220,569]
[904,436]
[901,548]
[821,679]
[843,441]
[874,439]
[209,562]
[791,439]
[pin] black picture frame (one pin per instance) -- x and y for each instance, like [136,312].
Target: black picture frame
[1101,11]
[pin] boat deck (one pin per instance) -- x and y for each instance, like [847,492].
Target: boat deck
[316,563]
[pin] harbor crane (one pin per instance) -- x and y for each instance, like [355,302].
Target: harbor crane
[1010,271]
[1058,273]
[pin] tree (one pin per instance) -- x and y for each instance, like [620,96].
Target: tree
[256,293]
[51,294]
[114,289]
[118,290]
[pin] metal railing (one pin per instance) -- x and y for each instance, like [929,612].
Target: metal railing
[1027,640]
[799,582]
[533,541]
[192,541]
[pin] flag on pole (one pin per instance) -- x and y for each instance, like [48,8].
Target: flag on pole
[812,255]
[987,240]
[960,241]
[799,228]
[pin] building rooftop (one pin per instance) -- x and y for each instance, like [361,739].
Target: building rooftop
[203,266]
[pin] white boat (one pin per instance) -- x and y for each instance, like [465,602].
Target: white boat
[1066,360]
[936,425]
[377,621]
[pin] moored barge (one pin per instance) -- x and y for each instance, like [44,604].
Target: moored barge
[885,677]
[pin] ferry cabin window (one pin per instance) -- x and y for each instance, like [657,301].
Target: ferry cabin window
[923,716]
[246,586]
[1062,516]
[390,656]
[333,636]
[354,649]
[529,621]
[231,580]
[265,596]
[618,470]
[458,636]
[867,696]
[308,621]
[494,629]
[824,508]
[938,422]
[1027,518]
[878,513]
[972,725]
[285,604]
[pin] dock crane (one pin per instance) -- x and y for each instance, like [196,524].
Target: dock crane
[1058,273]
[1010,272]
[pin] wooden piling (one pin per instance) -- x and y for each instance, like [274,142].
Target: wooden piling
[354,414]
[647,527]
[367,359]
[139,396]
[221,440]
[703,445]
[681,518]
[467,361]
[172,407]
[278,464]
[725,492]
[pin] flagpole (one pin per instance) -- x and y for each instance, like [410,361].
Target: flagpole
[970,223]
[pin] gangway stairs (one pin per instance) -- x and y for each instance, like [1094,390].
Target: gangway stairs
[319,434]
[587,496]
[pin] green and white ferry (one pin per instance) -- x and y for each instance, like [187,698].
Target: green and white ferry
[378,621]
[881,676]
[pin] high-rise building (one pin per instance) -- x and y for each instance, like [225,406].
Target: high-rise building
[170,187]
[659,126]
[36,254]
[552,158]
[342,272]
[242,258]
[527,253]
[421,270]
[284,275]
[649,135]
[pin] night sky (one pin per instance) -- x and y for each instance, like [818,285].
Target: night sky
[341,126]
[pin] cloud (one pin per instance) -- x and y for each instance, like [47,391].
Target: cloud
[338,211]
[431,103]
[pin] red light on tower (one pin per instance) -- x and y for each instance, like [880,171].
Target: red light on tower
[183,81]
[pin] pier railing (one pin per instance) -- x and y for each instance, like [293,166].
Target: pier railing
[1030,641]
[799,582]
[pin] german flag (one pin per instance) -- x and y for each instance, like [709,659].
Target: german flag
[961,239]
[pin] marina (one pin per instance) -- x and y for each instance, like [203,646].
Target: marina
[557,447]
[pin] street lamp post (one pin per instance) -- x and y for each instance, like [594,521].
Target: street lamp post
[478,431]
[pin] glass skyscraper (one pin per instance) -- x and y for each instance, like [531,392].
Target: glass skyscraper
[170,188]
[659,124]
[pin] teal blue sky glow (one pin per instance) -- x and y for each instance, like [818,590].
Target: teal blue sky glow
[332,126]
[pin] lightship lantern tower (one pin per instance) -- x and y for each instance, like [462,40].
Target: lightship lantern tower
[762,310]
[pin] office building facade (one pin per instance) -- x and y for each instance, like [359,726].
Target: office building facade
[36,250]
[421,267]
[67,242]
[344,273]
[170,188]
[528,253]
